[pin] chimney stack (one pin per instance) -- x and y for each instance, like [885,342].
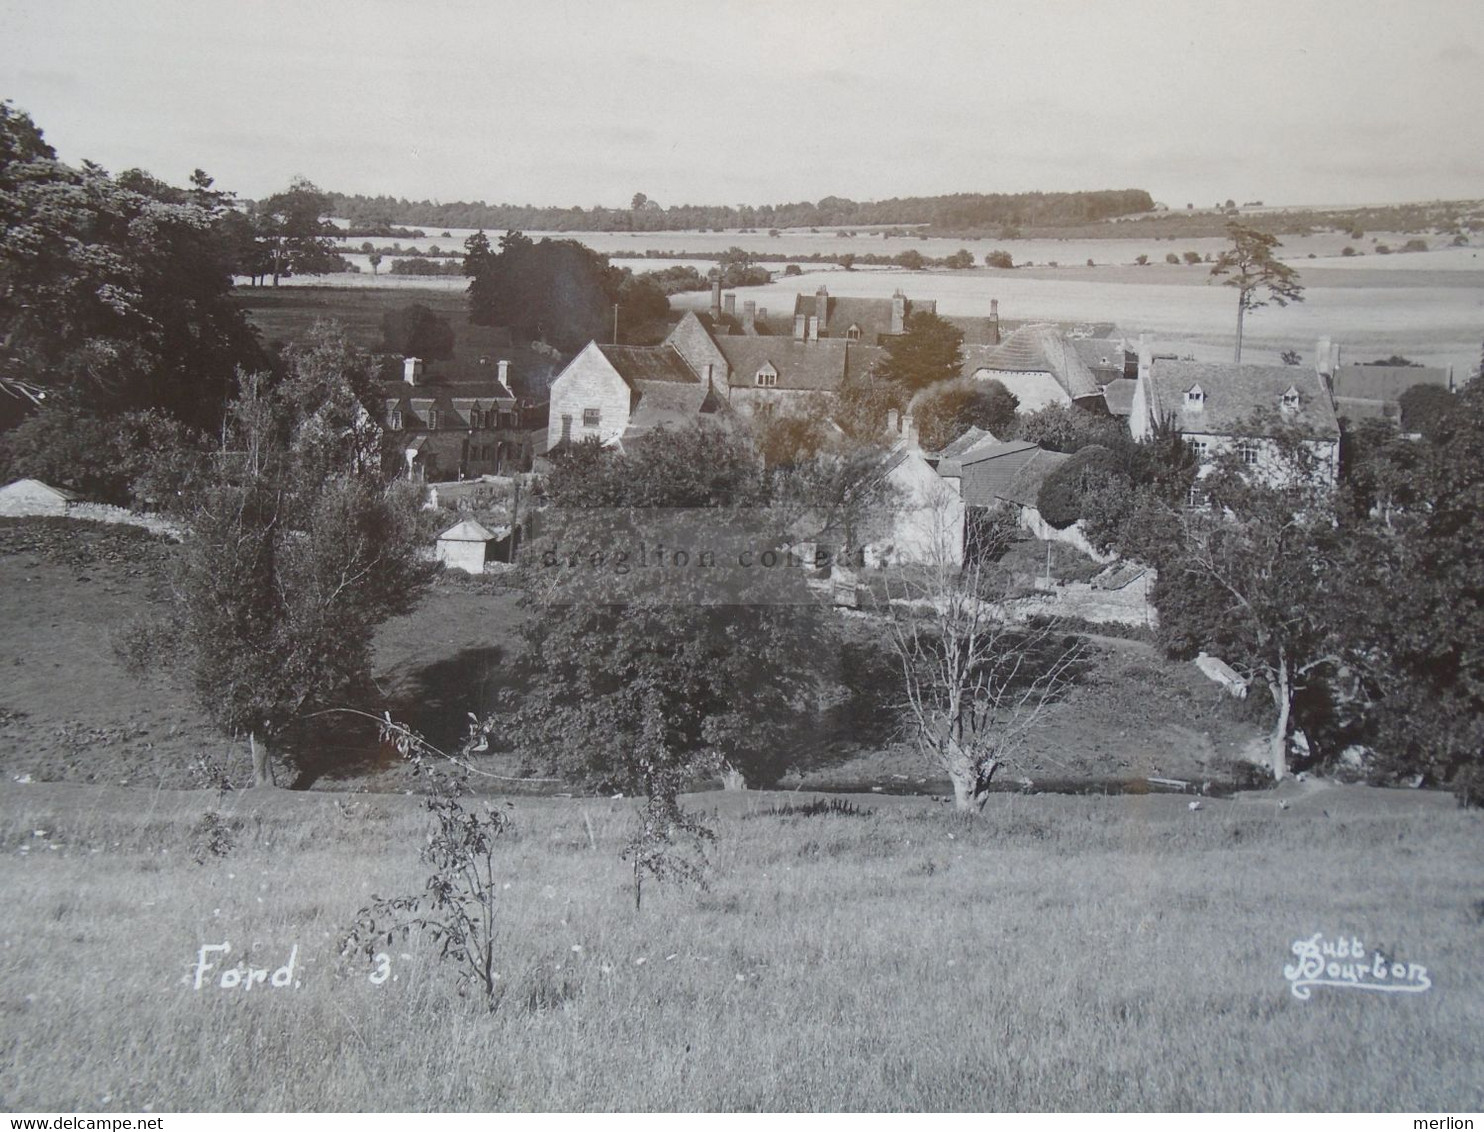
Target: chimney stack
[716,297]
[412,370]
[800,327]
[814,328]
[891,422]
[898,312]
[909,432]
[762,317]
[749,317]
[729,302]
[1146,357]
[504,372]
[707,372]
[994,322]
[822,310]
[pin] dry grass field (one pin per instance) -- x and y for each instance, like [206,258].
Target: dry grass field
[1059,953]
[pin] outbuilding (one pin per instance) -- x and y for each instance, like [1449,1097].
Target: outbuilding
[463,546]
[32,497]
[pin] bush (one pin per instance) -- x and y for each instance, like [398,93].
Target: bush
[1171,257]
[1347,251]
[1383,249]
[1415,246]
[1468,786]
[1000,259]
[1192,257]
[1060,499]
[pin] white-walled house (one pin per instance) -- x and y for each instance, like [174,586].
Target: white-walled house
[923,524]
[609,393]
[32,497]
[1229,407]
[1039,366]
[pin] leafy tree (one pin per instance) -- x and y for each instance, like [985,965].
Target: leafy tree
[1420,648]
[1253,578]
[1063,491]
[958,261]
[929,350]
[415,331]
[295,232]
[555,291]
[296,554]
[1066,428]
[1258,276]
[1002,260]
[1424,407]
[945,410]
[114,293]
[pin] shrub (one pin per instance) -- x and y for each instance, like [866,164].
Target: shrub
[1171,257]
[1000,259]
[1415,246]
[213,835]
[1192,257]
[1060,499]
[1383,249]
[1347,251]
[1468,786]
[1142,260]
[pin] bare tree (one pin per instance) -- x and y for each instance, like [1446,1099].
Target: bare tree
[1254,271]
[976,683]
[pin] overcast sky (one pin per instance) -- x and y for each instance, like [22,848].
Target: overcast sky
[582,102]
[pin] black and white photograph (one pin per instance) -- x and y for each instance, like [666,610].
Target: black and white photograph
[736,556]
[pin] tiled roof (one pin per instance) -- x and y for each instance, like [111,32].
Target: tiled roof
[670,403]
[1237,395]
[466,531]
[871,316]
[1024,487]
[801,365]
[649,364]
[1384,383]
[1106,357]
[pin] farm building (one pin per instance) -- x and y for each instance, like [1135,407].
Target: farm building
[32,497]
[1039,366]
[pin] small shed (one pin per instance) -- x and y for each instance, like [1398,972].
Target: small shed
[463,547]
[32,497]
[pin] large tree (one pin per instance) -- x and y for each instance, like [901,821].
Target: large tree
[295,233]
[115,294]
[296,553]
[929,350]
[555,291]
[944,410]
[1257,275]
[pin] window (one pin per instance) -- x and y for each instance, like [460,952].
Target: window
[476,419]
[1201,448]
[1196,497]
[767,376]
[1290,400]
[853,334]
[1195,397]
[1248,451]
[394,420]
[432,420]
[591,418]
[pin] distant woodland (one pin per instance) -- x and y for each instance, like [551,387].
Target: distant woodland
[960,212]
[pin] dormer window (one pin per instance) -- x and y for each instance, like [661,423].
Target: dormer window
[476,419]
[1195,398]
[432,420]
[853,333]
[767,376]
[394,420]
[1290,400]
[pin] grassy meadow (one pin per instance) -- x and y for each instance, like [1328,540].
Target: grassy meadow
[1059,953]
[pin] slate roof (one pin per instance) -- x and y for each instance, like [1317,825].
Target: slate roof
[649,364]
[988,469]
[1035,349]
[1236,394]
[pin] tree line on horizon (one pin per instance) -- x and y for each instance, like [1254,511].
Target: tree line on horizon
[957,211]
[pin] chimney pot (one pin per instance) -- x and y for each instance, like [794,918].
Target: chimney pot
[730,303]
[800,326]
[716,297]
[749,317]
[412,370]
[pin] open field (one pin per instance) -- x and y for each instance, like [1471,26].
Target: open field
[1060,953]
